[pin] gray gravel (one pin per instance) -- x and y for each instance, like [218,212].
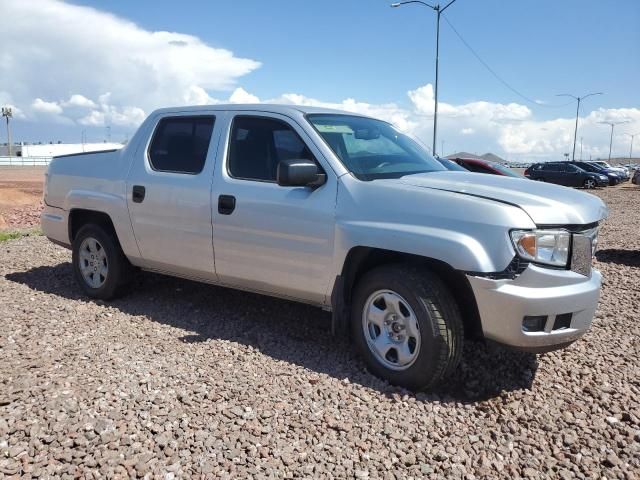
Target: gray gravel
[180,379]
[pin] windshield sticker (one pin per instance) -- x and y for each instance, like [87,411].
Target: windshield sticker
[334,129]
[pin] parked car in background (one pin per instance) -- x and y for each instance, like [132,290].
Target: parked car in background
[636,177]
[485,166]
[622,170]
[340,211]
[567,174]
[451,165]
[614,177]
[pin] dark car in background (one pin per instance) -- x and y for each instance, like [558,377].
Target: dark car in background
[566,173]
[614,177]
[485,166]
[636,177]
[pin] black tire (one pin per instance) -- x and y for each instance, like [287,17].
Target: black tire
[120,272]
[436,312]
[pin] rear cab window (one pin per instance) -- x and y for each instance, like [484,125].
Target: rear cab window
[180,144]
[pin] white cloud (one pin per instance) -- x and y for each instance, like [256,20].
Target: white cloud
[77,100]
[107,114]
[240,95]
[86,50]
[467,131]
[41,106]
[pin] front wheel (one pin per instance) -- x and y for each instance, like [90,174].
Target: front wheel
[100,267]
[589,183]
[407,326]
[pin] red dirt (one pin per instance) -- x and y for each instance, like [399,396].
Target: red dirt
[20,197]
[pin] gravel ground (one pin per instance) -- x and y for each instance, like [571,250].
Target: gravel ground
[180,380]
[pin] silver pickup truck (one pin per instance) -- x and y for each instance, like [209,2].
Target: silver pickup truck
[337,210]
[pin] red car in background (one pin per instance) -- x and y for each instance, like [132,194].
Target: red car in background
[485,166]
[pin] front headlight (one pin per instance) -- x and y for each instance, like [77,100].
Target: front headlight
[550,247]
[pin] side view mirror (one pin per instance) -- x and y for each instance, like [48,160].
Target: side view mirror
[300,173]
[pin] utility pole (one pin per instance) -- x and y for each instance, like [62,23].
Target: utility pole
[109,133]
[442,150]
[631,147]
[580,148]
[575,132]
[439,10]
[613,124]
[8,113]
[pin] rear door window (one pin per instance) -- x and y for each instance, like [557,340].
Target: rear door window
[180,144]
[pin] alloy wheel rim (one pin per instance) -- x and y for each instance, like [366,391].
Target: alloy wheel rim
[391,329]
[94,265]
[590,183]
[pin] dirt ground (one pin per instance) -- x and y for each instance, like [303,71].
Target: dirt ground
[20,197]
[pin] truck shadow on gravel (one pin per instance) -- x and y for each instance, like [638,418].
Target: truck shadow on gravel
[287,331]
[629,258]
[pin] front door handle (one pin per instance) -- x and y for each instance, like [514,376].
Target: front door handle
[226,204]
[138,193]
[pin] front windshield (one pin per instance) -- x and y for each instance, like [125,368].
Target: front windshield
[372,149]
[505,170]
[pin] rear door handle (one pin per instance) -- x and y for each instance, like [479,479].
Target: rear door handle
[226,204]
[138,193]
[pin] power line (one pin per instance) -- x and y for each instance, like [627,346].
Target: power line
[493,72]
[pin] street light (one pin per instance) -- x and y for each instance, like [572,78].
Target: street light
[631,148]
[436,8]
[575,132]
[8,113]
[613,124]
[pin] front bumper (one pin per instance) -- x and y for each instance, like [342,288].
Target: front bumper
[504,304]
[602,182]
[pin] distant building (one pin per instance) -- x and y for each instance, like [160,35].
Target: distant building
[53,149]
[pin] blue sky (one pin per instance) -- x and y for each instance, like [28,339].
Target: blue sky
[68,68]
[334,49]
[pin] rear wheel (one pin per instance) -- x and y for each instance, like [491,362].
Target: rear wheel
[589,183]
[100,267]
[407,326]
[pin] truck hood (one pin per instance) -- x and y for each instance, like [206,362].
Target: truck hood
[545,203]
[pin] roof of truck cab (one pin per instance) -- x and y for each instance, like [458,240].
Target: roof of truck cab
[257,107]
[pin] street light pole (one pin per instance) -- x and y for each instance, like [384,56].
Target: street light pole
[632,135]
[8,113]
[575,132]
[613,124]
[439,10]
